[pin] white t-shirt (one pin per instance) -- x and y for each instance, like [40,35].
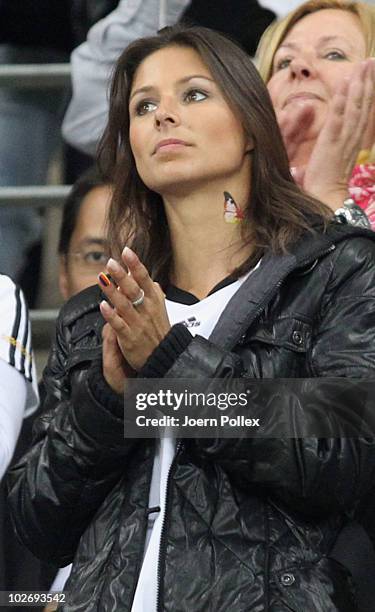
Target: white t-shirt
[200,318]
[18,384]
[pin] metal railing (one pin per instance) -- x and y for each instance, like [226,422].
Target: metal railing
[32,76]
[40,196]
[43,323]
[47,314]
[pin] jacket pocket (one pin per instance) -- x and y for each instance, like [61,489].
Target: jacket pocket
[326,585]
[290,332]
[277,348]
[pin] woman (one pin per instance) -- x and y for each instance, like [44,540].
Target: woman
[316,63]
[192,143]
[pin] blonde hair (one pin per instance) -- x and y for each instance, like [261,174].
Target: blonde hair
[277,31]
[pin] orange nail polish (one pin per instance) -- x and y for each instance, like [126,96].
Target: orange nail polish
[104,280]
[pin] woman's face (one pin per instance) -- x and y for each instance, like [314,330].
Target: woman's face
[316,55]
[182,131]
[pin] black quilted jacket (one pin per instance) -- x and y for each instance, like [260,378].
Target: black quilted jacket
[250,523]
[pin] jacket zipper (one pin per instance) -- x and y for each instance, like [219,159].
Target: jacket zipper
[162,546]
[140,556]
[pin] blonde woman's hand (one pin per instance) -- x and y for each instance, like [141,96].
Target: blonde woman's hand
[293,126]
[334,155]
[350,118]
[139,329]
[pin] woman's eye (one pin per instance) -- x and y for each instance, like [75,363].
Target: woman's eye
[96,257]
[335,55]
[145,107]
[283,63]
[195,95]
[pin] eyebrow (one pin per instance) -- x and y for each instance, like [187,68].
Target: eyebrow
[323,40]
[148,88]
[93,240]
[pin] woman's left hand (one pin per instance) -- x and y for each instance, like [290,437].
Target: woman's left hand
[139,328]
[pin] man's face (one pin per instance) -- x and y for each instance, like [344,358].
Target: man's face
[88,248]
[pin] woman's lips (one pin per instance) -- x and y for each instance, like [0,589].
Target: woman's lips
[302,95]
[169,144]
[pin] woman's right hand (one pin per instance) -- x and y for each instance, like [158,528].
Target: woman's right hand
[115,369]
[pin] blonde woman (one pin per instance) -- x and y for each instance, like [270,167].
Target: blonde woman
[318,63]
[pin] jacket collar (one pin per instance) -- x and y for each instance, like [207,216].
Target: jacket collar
[263,284]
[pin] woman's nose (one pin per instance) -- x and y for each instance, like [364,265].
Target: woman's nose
[301,68]
[166,114]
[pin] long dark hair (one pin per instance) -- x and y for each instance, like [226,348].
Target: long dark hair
[278,212]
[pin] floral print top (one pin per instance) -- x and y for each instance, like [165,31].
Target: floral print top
[362,183]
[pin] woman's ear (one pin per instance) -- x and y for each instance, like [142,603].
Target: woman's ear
[249,145]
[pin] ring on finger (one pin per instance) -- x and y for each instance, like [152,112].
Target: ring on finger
[140,299]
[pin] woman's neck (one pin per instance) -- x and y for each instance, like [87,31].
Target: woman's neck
[205,248]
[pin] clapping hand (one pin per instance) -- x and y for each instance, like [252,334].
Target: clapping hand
[136,320]
[350,116]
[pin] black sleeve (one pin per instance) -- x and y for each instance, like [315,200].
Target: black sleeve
[79,453]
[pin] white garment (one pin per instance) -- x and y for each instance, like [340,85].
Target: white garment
[18,386]
[92,64]
[60,579]
[207,313]
[283,7]
[12,407]
[280,7]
